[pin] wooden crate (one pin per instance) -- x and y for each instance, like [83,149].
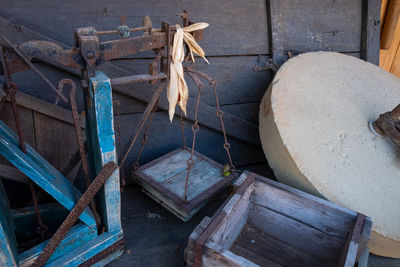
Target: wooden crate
[266,223]
[164,179]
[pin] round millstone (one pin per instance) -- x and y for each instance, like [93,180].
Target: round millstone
[314,128]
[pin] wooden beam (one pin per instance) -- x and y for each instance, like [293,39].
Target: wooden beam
[44,107]
[235,127]
[371,14]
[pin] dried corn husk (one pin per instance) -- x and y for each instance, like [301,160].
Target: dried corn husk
[177,91]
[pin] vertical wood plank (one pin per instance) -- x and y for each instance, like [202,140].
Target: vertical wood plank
[101,146]
[26,117]
[389,59]
[55,140]
[276,29]
[371,30]
[18,194]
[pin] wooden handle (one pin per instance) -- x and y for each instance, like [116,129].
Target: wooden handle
[389,27]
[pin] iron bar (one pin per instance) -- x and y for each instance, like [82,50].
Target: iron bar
[119,245]
[73,216]
[137,79]
[144,118]
[79,139]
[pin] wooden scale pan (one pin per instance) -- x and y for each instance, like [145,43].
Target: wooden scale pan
[184,180]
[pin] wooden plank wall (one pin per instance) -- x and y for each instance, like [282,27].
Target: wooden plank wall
[47,135]
[238,39]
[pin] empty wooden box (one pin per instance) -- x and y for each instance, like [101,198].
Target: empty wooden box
[266,223]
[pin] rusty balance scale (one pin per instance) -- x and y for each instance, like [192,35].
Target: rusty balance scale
[104,240]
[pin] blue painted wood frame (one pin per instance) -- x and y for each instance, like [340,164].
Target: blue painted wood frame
[42,173]
[8,242]
[88,250]
[53,214]
[81,243]
[101,146]
[78,236]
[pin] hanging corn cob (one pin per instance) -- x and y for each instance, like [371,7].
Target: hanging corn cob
[177,91]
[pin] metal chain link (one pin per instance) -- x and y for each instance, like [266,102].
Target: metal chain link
[145,137]
[119,142]
[219,113]
[182,124]
[195,129]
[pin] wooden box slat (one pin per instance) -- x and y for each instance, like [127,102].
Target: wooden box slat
[177,160]
[266,250]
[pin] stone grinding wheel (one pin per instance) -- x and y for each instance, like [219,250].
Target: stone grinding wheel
[314,131]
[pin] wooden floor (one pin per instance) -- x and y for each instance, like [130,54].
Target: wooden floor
[154,237]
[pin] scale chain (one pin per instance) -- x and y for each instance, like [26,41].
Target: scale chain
[145,136]
[195,129]
[118,119]
[219,113]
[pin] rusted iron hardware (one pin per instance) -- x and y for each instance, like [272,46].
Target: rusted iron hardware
[119,245]
[73,216]
[80,140]
[27,62]
[89,53]
[388,124]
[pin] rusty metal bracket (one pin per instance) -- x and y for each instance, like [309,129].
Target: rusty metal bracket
[89,45]
[90,52]
[80,141]
[388,124]
[265,66]
[119,245]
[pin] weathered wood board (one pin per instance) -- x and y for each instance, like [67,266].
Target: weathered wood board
[43,124]
[8,243]
[310,25]
[55,149]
